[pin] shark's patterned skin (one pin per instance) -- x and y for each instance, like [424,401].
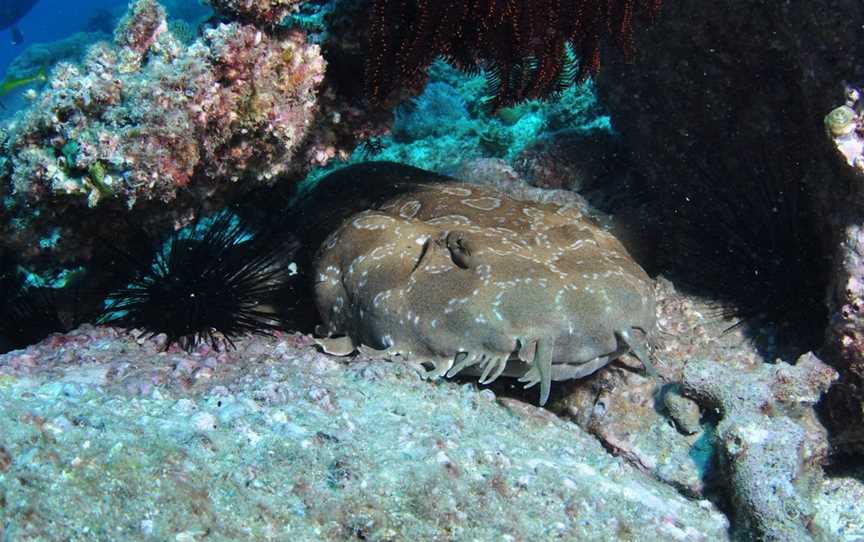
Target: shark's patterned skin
[454,276]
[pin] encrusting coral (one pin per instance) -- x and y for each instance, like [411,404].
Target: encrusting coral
[140,28]
[844,406]
[146,119]
[235,104]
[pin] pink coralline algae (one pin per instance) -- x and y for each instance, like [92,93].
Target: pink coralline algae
[141,26]
[261,11]
[144,116]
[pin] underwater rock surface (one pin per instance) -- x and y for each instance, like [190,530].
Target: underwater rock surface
[742,90]
[727,423]
[845,405]
[104,436]
[766,416]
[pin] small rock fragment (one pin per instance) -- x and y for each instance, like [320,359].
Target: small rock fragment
[683,411]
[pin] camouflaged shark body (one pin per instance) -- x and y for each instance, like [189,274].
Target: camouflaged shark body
[458,276]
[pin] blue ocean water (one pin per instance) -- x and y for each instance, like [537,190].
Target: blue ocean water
[51,20]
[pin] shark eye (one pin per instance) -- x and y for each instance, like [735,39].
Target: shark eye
[461,249]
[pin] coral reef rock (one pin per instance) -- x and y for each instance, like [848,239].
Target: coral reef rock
[761,77]
[104,434]
[145,118]
[265,12]
[770,445]
[845,403]
[776,489]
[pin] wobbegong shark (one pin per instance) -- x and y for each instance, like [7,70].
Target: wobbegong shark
[462,278]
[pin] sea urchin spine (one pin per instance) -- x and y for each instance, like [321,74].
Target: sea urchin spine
[210,282]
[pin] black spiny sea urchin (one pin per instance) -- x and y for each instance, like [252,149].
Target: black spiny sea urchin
[212,281]
[30,313]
